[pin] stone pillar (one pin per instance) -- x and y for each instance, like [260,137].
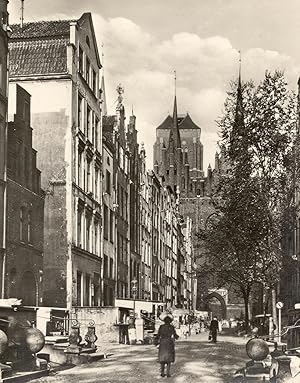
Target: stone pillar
[139,327]
[74,341]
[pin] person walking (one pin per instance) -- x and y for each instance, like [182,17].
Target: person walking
[166,339]
[214,328]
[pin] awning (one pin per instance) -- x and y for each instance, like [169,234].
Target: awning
[139,305]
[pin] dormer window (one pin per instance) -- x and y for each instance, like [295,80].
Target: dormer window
[88,41]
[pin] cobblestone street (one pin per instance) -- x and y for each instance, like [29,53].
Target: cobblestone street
[197,360]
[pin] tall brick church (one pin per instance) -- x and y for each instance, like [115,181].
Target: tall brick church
[178,154]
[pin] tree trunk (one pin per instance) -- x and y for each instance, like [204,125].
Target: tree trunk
[246,303]
[274,311]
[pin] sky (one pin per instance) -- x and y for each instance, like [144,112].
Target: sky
[144,41]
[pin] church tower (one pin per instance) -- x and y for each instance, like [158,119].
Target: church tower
[178,154]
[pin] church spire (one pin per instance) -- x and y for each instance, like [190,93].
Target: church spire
[239,111]
[174,133]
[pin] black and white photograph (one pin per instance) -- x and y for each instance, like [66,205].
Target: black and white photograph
[149,191]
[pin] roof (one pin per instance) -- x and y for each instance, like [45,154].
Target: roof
[58,28]
[37,57]
[184,122]
[41,47]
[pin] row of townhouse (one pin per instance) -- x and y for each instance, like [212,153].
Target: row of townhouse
[87,224]
[153,251]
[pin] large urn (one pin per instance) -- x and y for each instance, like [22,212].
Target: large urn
[257,349]
[3,342]
[34,339]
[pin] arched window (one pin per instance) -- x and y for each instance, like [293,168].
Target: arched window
[22,223]
[29,227]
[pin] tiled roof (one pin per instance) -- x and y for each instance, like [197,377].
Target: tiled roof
[59,28]
[38,57]
[184,122]
[167,123]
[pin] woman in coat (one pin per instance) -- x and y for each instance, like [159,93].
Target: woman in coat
[166,337]
[214,328]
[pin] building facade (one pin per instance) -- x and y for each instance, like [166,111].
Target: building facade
[3,134]
[109,198]
[25,207]
[145,228]
[68,137]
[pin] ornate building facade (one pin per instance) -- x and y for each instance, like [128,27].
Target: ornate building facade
[66,117]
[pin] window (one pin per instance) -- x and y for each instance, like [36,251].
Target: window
[105,266]
[111,268]
[111,229]
[79,288]
[87,70]
[22,223]
[105,218]
[79,170]
[79,226]
[87,41]
[79,111]
[96,183]
[93,129]
[88,176]
[80,60]
[88,122]
[108,182]
[29,227]
[87,290]
[94,81]
[96,132]
[88,233]
[96,237]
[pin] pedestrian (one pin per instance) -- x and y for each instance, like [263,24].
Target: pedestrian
[214,328]
[166,339]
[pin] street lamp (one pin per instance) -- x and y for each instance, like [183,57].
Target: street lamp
[134,291]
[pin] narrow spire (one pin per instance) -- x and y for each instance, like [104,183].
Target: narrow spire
[239,112]
[240,65]
[174,138]
[175,82]
[174,133]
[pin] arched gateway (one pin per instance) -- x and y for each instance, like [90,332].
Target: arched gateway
[216,304]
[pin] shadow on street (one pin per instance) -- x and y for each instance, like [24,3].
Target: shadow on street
[197,360]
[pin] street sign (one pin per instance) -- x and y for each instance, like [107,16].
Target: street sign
[279,305]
